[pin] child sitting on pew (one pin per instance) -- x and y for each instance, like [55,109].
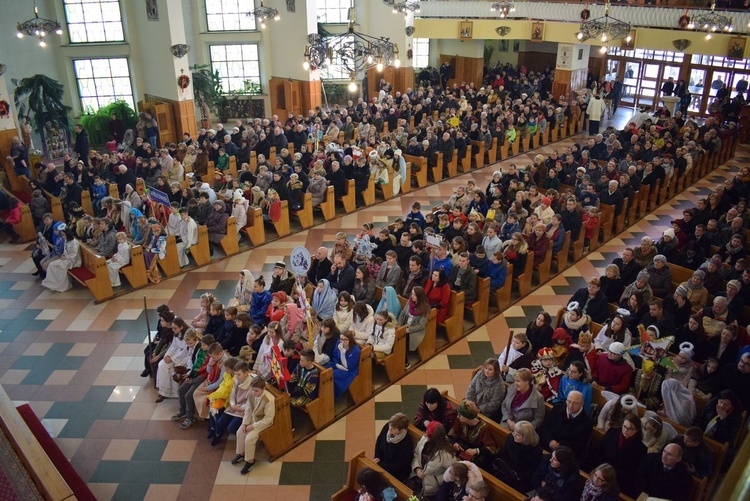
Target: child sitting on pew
[201,319]
[383,335]
[303,384]
[289,351]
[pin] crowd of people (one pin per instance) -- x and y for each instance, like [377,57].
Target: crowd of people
[218,364]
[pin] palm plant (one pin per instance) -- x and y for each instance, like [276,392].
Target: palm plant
[207,89]
[39,99]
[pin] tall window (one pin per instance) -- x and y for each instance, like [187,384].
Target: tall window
[238,67]
[103,81]
[420,52]
[229,15]
[333,11]
[94,21]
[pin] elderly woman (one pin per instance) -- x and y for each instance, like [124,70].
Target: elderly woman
[697,293]
[645,253]
[611,282]
[660,276]
[522,402]
[522,455]
[487,389]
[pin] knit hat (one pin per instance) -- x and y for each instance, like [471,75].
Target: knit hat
[545,353]
[682,291]
[279,264]
[617,348]
[699,273]
[547,201]
[716,261]
[643,276]
[660,257]
[205,187]
[669,232]
[734,283]
[397,152]
[238,194]
[431,427]
[220,202]
[466,411]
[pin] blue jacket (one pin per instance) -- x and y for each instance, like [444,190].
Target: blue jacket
[412,217]
[497,273]
[259,306]
[446,263]
[507,230]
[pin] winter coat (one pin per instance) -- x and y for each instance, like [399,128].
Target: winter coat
[433,469]
[660,280]
[532,410]
[487,393]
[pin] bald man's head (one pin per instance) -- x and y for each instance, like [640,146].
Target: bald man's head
[321,254]
[574,402]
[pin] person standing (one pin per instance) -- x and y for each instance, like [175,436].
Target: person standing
[616,94]
[595,110]
[81,146]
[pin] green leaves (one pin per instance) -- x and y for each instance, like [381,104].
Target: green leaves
[39,98]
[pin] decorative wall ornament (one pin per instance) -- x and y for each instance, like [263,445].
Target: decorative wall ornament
[585,15]
[3,67]
[681,44]
[180,50]
[406,7]
[684,21]
[409,31]
[606,28]
[152,10]
[263,14]
[503,8]
[502,30]
[736,48]
[711,22]
[537,32]
[465,30]
[291,6]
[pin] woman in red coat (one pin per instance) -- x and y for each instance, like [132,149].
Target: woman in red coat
[438,293]
[13,217]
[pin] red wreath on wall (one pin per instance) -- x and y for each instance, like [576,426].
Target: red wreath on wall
[183,81]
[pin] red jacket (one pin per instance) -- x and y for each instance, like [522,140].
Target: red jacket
[438,297]
[614,376]
[14,215]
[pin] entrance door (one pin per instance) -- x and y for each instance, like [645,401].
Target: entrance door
[737,77]
[649,85]
[697,87]
[630,83]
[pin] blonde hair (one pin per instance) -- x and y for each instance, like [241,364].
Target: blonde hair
[191,335]
[527,432]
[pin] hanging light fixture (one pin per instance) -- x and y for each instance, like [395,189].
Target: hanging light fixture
[711,22]
[406,7]
[263,14]
[38,27]
[503,8]
[606,28]
[353,50]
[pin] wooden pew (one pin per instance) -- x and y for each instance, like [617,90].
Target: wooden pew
[564,128]
[170,265]
[454,324]
[135,272]
[254,228]
[349,200]
[232,168]
[282,226]
[113,190]
[328,206]
[278,437]
[479,155]
[465,162]
[394,363]
[437,170]
[504,149]
[210,176]
[93,274]
[453,165]
[524,279]
[503,294]
[36,462]
[633,204]
[536,139]
[594,241]
[86,204]
[369,194]
[526,142]
[305,214]
[387,189]
[229,242]
[360,388]
[418,169]
[25,229]
[620,219]
[552,134]
[479,309]
[321,409]
[55,206]
[428,345]
[360,462]
[201,251]
[606,220]
[406,180]
[545,135]
[544,267]
[561,258]
[514,147]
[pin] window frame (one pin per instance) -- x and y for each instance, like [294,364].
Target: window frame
[414,44]
[325,9]
[226,90]
[208,24]
[94,78]
[65,4]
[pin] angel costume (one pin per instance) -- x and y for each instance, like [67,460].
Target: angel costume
[57,278]
[118,260]
[180,355]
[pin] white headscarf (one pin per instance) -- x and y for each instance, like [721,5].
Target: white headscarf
[678,402]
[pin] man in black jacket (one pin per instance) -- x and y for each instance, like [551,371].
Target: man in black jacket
[320,267]
[567,424]
[571,218]
[73,192]
[342,275]
[629,268]
[663,475]
[337,178]
[82,144]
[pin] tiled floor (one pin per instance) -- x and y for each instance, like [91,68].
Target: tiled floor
[78,366]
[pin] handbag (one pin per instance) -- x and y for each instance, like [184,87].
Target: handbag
[503,472]
[180,373]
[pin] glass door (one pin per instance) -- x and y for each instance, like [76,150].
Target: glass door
[649,85]
[718,79]
[739,83]
[630,82]
[697,88]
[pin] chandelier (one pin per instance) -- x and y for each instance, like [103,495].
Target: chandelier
[352,50]
[406,7]
[38,27]
[504,8]
[606,28]
[711,22]
[263,14]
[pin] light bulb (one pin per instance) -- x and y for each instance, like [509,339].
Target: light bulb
[277,17]
[58,31]
[42,33]
[395,11]
[628,39]
[579,36]
[379,67]
[691,26]
[42,43]
[369,59]
[604,37]
[603,50]
[397,63]
[306,65]
[708,37]
[352,87]
[262,25]
[20,35]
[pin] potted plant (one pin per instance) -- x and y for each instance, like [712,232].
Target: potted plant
[207,91]
[39,100]
[97,123]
